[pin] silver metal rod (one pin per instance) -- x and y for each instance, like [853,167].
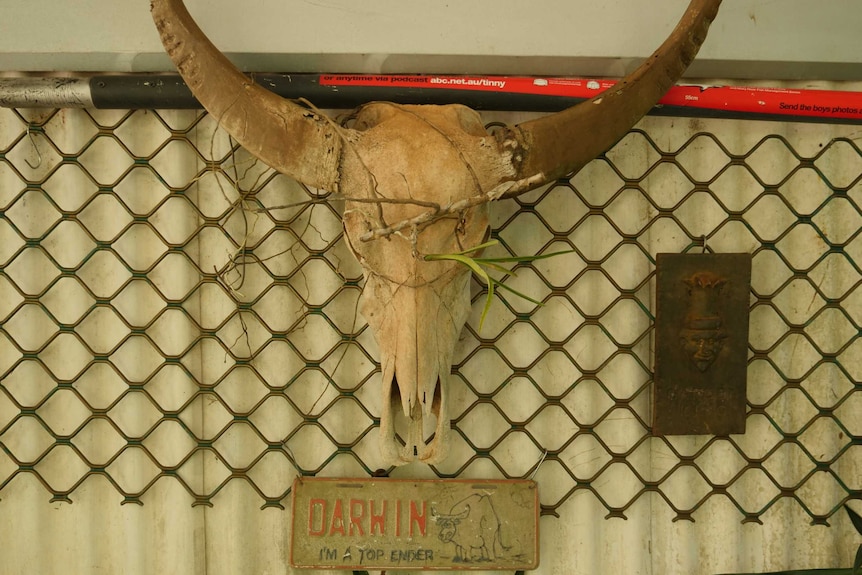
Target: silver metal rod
[45,93]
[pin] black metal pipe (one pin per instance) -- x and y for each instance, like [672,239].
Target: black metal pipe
[168,91]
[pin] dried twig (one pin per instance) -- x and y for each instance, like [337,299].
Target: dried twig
[439,212]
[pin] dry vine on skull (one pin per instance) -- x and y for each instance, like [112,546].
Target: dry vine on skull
[417,180]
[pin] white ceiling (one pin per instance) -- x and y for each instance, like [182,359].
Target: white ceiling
[765,39]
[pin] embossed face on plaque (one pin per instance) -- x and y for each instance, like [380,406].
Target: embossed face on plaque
[702,306]
[703,335]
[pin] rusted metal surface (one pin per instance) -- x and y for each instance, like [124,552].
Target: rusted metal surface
[414,524]
[128,402]
[701,343]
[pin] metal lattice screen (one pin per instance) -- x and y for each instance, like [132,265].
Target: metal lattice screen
[171,308]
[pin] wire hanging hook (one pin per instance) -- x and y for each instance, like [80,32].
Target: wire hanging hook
[35,148]
[538,465]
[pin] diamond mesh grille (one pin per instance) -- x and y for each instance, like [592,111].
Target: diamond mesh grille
[172,308]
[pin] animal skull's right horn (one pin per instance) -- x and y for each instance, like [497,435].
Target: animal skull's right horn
[432,169]
[564,142]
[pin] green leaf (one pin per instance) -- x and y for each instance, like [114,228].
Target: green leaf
[855,519]
[488,301]
[524,258]
[467,261]
[479,265]
[519,294]
[470,263]
[487,244]
[496,267]
[857,563]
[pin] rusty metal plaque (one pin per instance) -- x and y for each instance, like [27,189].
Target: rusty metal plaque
[701,343]
[414,524]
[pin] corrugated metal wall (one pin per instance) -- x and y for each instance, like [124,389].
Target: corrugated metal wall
[177,346]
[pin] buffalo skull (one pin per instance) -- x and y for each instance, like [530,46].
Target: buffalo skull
[418,180]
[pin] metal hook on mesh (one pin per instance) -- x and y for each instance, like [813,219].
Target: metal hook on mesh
[35,148]
[703,244]
[292,460]
[538,465]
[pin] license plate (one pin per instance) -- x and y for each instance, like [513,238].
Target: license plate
[414,524]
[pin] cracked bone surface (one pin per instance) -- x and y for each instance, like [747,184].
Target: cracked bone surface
[396,162]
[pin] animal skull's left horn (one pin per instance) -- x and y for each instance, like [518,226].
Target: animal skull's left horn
[288,137]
